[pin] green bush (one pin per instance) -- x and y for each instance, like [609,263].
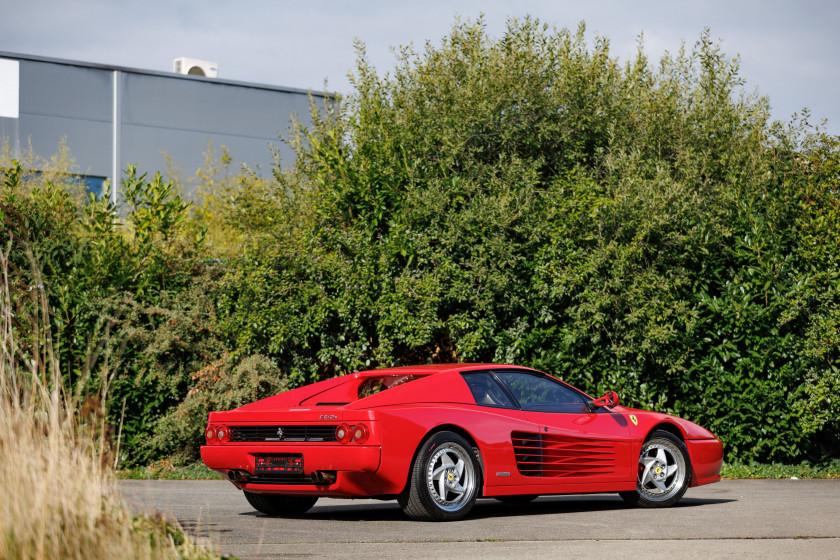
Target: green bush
[127,294]
[220,385]
[528,199]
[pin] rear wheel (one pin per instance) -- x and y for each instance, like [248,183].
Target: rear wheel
[664,472]
[445,480]
[279,505]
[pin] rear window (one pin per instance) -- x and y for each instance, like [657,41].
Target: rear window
[373,385]
[486,391]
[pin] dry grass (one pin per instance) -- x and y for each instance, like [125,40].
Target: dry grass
[58,495]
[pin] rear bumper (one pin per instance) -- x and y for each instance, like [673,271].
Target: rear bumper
[334,457]
[706,460]
[355,467]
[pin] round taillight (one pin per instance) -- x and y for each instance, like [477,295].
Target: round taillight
[210,434]
[360,433]
[343,433]
[223,434]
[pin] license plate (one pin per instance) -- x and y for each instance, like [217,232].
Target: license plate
[278,464]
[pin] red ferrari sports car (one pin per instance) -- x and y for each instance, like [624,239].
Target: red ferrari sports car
[437,437]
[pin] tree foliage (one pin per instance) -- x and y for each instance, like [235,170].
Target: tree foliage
[528,199]
[126,299]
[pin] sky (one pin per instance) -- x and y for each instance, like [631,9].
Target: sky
[789,51]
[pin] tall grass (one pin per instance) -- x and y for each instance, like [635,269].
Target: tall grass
[58,495]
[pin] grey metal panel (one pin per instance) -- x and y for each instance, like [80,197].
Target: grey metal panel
[208,107]
[157,113]
[145,146]
[9,133]
[65,91]
[88,141]
[111,67]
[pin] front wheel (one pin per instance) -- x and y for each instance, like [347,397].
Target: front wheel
[664,472]
[279,505]
[445,480]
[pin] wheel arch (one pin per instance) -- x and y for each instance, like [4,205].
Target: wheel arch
[461,432]
[675,430]
[667,427]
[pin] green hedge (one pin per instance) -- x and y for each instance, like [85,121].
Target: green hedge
[526,199]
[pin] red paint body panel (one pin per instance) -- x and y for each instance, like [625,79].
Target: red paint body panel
[521,452]
[355,463]
[559,488]
[706,460]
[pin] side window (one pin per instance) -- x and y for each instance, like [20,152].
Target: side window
[541,394]
[486,390]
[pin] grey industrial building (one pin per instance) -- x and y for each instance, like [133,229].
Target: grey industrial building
[110,116]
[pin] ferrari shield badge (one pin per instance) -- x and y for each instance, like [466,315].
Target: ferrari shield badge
[634,419]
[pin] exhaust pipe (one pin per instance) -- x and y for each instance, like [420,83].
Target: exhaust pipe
[236,475]
[324,477]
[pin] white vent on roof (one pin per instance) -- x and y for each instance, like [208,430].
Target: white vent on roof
[195,67]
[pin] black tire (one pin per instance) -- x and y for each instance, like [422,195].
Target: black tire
[664,472]
[279,505]
[523,499]
[445,479]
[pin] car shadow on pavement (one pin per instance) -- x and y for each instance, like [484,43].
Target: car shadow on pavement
[565,504]
[484,508]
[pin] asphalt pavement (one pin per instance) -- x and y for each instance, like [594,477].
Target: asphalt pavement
[729,519]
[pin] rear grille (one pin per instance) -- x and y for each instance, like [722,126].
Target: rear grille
[282,433]
[549,455]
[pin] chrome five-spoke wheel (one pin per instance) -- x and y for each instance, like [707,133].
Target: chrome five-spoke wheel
[450,476]
[663,472]
[445,479]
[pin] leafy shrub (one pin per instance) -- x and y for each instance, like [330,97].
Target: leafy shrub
[528,199]
[525,199]
[58,498]
[220,385]
[230,205]
[125,292]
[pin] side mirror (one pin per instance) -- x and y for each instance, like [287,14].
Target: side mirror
[609,399]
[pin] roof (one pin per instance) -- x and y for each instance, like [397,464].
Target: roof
[428,369]
[98,66]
